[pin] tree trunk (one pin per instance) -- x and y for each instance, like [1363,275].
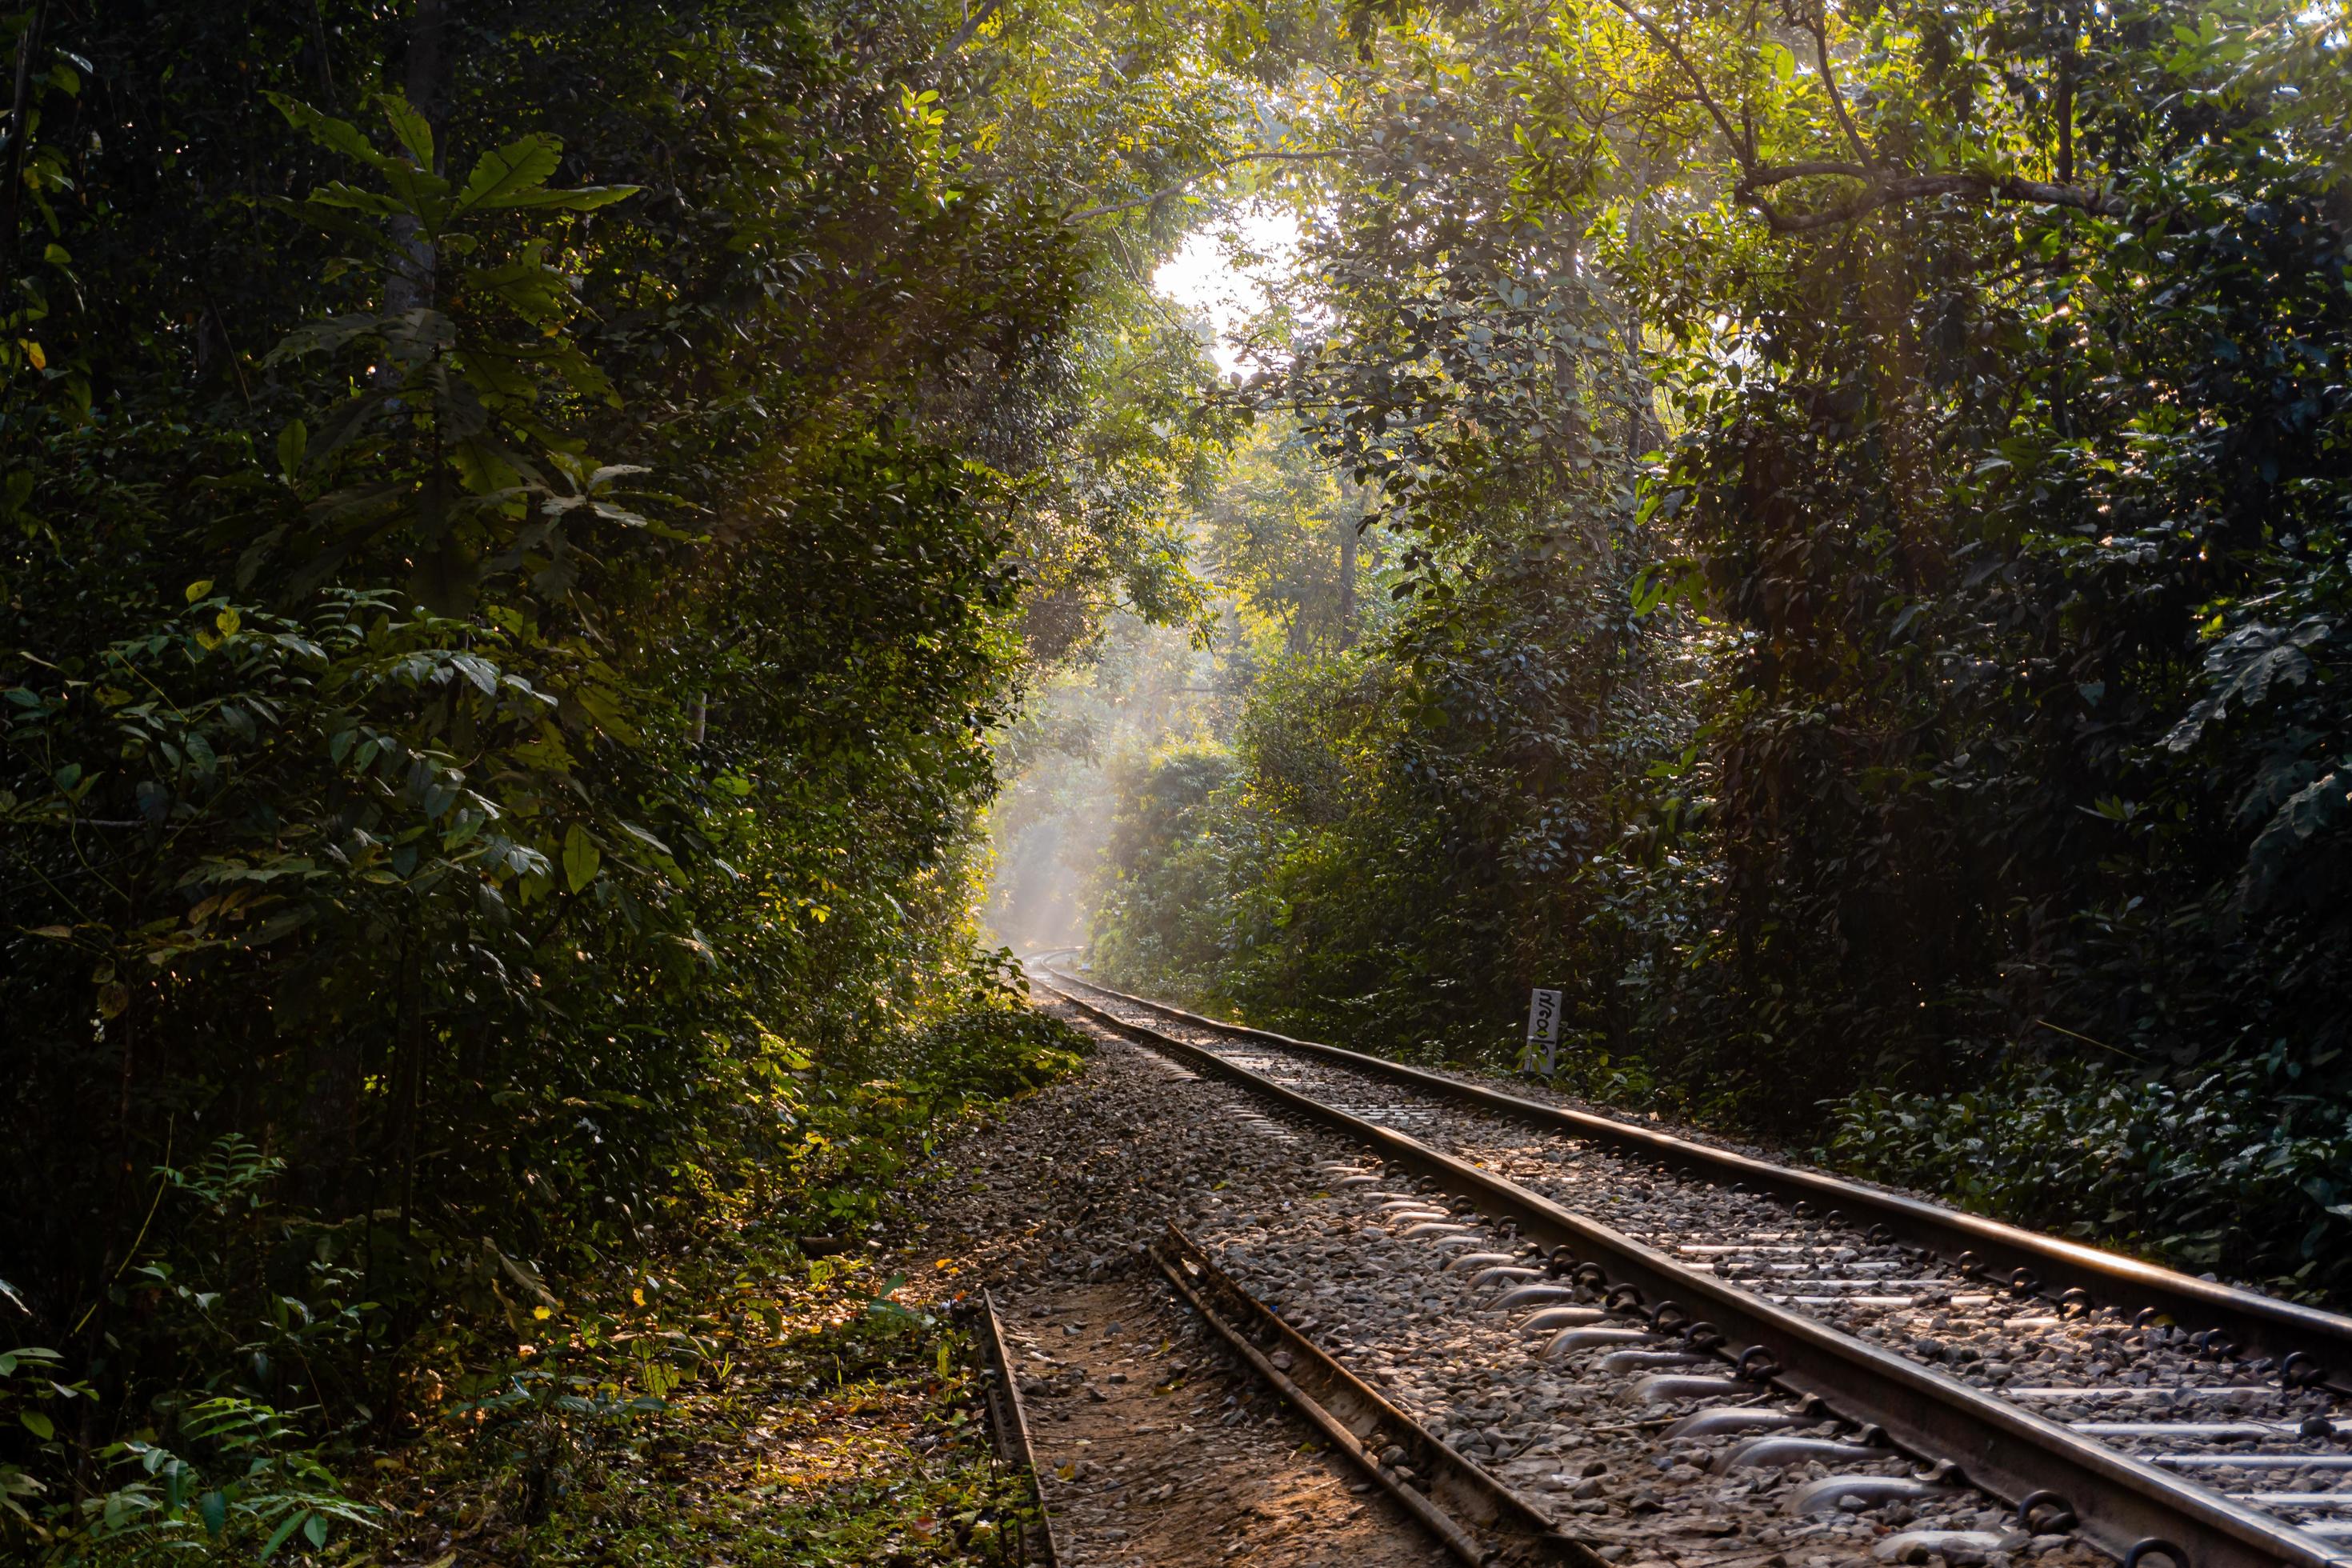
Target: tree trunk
[1345,637]
[410,285]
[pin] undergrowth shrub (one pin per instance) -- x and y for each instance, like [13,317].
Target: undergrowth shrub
[857,1138]
[2178,1166]
[255,1397]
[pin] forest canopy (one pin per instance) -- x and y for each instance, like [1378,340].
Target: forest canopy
[520,520]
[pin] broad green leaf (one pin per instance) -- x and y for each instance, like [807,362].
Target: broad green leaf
[509,176]
[341,136]
[415,132]
[278,1539]
[639,834]
[582,198]
[419,191]
[38,1424]
[336,193]
[581,857]
[532,289]
[325,336]
[292,442]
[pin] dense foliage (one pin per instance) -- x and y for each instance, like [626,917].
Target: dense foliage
[527,532]
[1868,493]
[519,522]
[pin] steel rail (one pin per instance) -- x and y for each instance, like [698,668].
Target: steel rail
[2123,1505]
[2258,1324]
[1007,1417]
[1480,1520]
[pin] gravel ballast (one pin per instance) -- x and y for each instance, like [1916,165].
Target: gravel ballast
[1059,1199]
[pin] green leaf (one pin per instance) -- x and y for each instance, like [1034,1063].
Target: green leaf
[203,585]
[419,191]
[639,834]
[293,1522]
[292,442]
[415,132]
[512,175]
[341,136]
[337,194]
[214,1509]
[581,857]
[326,335]
[583,198]
[38,1424]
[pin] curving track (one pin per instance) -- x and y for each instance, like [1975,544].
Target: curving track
[2173,1418]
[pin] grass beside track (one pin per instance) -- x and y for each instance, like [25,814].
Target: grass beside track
[812,1410]
[839,1429]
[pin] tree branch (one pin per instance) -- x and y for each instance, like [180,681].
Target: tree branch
[1690,73]
[1764,176]
[1892,193]
[1881,190]
[973,21]
[1818,24]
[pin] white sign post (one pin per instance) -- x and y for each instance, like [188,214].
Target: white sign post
[1542,1055]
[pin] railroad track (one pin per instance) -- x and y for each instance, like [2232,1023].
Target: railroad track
[1131,1469]
[1008,1421]
[2164,1418]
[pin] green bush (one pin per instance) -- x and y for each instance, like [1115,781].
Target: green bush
[2227,1170]
[856,1136]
